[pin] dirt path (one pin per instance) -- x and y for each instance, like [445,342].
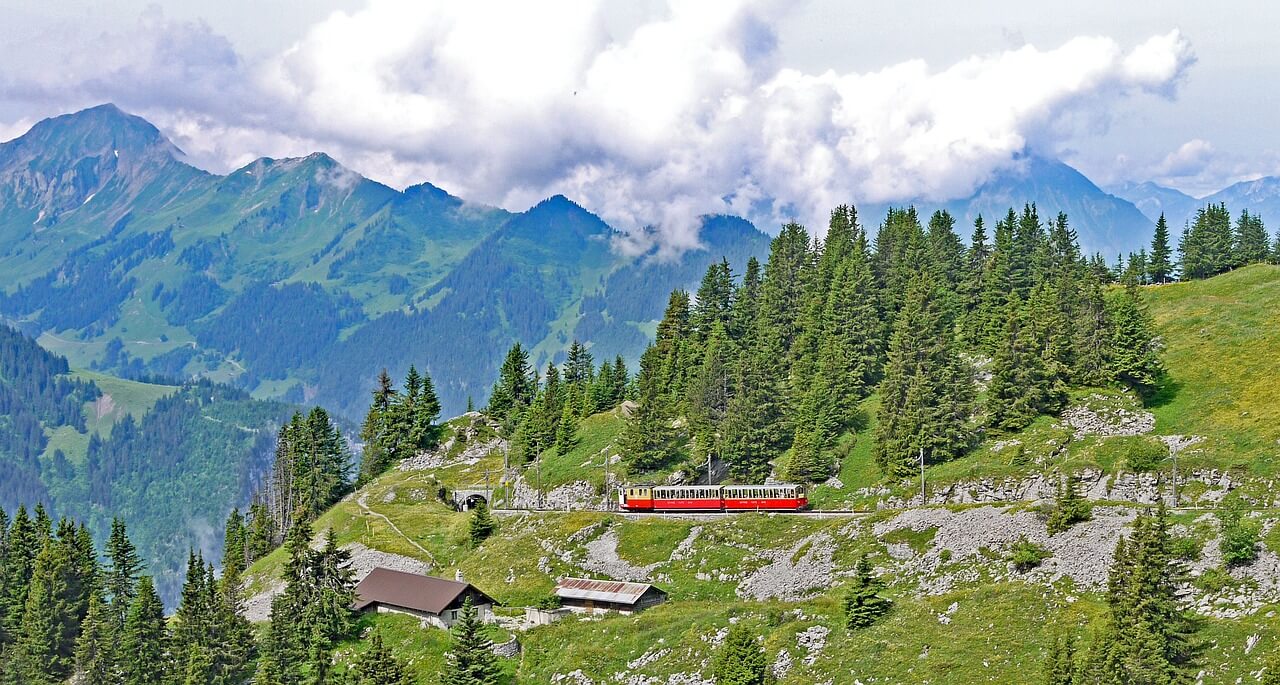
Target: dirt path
[362,501]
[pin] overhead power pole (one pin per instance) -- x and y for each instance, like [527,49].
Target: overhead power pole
[922,495]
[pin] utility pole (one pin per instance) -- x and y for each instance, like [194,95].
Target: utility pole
[488,494]
[608,495]
[538,455]
[708,469]
[922,495]
[1173,450]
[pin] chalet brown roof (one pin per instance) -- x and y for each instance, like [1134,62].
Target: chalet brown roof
[602,590]
[408,590]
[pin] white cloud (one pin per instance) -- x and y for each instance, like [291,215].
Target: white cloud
[688,112]
[1190,159]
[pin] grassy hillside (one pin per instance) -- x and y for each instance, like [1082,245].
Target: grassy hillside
[960,615]
[1222,350]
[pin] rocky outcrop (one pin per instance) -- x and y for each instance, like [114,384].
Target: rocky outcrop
[467,444]
[1139,488]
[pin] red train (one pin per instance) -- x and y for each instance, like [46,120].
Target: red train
[780,497]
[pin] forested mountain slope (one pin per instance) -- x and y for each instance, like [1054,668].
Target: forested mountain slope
[170,459]
[123,256]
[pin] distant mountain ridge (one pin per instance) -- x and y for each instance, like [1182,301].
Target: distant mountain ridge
[1260,196]
[299,278]
[1105,223]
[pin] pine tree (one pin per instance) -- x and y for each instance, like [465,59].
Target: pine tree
[1093,334]
[567,428]
[927,389]
[1011,402]
[95,657]
[45,648]
[998,285]
[973,324]
[809,460]
[755,429]
[481,525]
[1147,637]
[426,412]
[740,659]
[379,451]
[23,545]
[235,553]
[863,605]
[1027,377]
[647,435]
[900,254]
[193,623]
[853,340]
[377,666]
[1060,667]
[514,389]
[1207,246]
[144,642]
[470,659]
[709,393]
[1250,245]
[233,635]
[1160,267]
[782,292]
[1134,357]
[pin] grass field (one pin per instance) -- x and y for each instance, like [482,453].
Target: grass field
[1222,350]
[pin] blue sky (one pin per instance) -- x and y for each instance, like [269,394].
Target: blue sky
[652,112]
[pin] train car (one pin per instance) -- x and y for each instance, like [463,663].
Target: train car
[688,498]
[692,498]
[779,497]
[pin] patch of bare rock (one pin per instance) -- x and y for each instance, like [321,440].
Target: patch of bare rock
[1098,415]
[473,449]
[793,573]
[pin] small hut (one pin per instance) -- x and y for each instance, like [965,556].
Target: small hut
[585,595]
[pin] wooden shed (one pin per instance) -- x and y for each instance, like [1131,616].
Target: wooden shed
[597,596]
[436,601]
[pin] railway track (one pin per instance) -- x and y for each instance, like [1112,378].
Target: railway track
[697,515]
[813,514]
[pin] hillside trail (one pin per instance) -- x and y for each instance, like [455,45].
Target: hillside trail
[362,502]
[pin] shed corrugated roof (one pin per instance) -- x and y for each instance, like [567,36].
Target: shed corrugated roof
[408,590]
[614,591]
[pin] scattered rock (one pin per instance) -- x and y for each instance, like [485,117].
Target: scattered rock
[812,640]
[1100,415]
[790,578]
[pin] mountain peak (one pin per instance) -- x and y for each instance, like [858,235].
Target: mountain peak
[104,133]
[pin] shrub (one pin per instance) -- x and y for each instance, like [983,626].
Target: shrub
[1239,541]
[549,603]
[1145,454]
[1026,555]
[1069,508]
[1185,548]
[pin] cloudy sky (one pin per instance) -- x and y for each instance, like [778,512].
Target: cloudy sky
[651,112]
